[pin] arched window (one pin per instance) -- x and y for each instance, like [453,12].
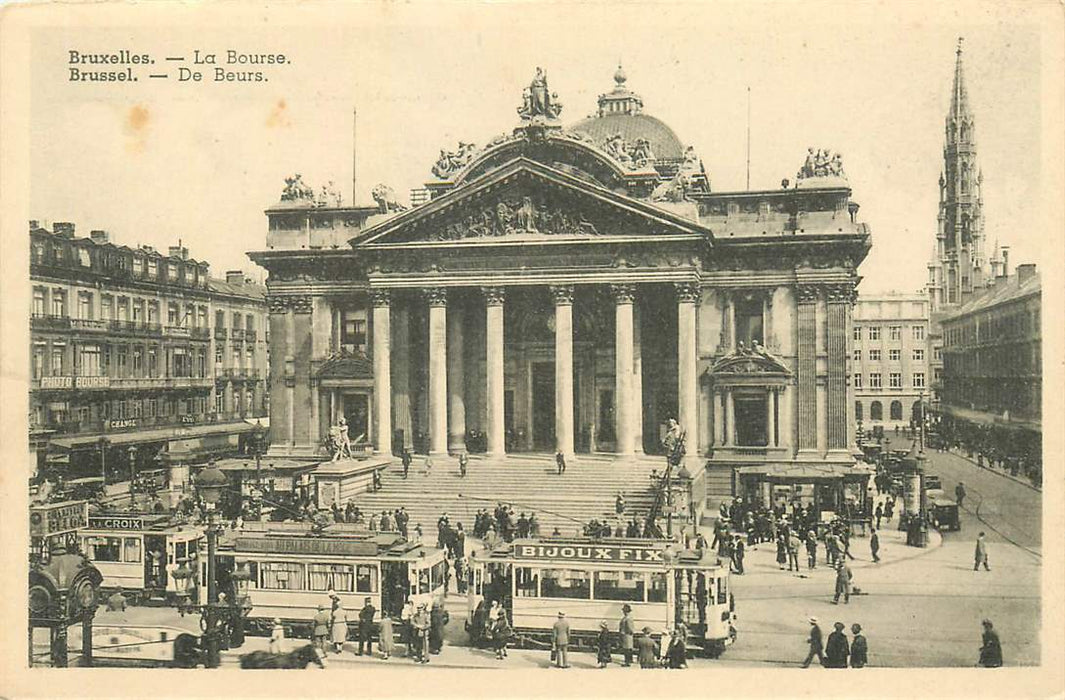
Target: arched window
[915,412]
[876,411]
[896,410]
[857,410]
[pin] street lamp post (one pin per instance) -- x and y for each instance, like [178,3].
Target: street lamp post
[103,443]
[258,436]
[209,484]
[132,471]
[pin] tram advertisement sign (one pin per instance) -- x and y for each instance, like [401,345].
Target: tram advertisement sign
[56,518]
[116,522]
[588,552]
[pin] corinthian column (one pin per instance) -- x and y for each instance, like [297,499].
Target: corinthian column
[563,297]
[437,299]
[626,433]
[687,363]
[381,299]
[456,438]
[493,298]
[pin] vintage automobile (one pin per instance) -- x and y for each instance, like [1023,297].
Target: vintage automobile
[943,513]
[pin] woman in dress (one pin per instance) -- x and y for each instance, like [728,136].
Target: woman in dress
[501,635]
[386,642]
[277,637]
[782,552]
[603,644]
[338,625]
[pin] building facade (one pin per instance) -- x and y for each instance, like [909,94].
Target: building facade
[135,348]
[890,360]
[570,288]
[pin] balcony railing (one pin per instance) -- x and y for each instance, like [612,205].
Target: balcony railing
[86,324]
[238,334]
[201,333]
[117,425]
[250,336]
[177,331]
[220,333]
[52,323]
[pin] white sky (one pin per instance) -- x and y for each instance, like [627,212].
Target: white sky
[210,157]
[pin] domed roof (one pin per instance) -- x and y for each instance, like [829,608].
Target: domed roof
[620,112]
[664,143]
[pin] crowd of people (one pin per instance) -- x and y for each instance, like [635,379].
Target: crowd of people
[502,525]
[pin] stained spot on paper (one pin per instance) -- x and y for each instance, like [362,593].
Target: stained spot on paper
[136,126]
[279,115]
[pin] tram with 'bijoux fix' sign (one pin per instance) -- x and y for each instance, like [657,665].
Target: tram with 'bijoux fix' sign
[285,570]
[590,580]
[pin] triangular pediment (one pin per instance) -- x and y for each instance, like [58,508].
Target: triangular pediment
[745,362]
[527,202]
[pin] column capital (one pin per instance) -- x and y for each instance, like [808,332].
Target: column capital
[276,304]
[380,297]
[435,296]
[841,293]
[562,294]
[623,293]
[301,304]
[494,296]
[687,292]
[807,293]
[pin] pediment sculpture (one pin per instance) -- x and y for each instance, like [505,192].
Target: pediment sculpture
[517,215]
[749,359]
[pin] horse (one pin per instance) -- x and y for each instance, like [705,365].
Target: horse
[298,658]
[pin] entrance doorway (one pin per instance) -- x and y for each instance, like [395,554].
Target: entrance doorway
[357,414]
[543,405]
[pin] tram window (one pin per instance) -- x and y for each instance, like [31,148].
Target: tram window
[620,585]
[131,552]
[324,577]
[181,550]
[104,548]
[423,581]
[525,580]
[722,591]
[657,593]
[280,575]
[366,578]
[438,574]
[565,583]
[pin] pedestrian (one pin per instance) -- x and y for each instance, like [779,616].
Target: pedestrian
[793,552]
[815,642]
[831,548]
[560,638]
[116,602]
[501,634]
[738,553]
[889,508]
[420,623]
[626,630]
[386,642]
[782,552]
[645,650]
[845,538]
[560,461]
[407,459]
[603,645]
[406,629]
[320,628]
[837,650]
[990,647]
[879,514]
[959,493]
[859,648]
[366,616]
[277,637]
[980,555]
[874,545]
[438,617]
[464,460]
[619,504]
[843,583]
[338,623]
[811,549]
[677,651]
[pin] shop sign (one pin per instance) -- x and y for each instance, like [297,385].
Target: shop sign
[291,545]
[92,382]
[588,553]
[123,423]
[57,382]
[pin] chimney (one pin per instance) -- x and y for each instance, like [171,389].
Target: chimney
[63,229]
[34,224]
[234,277]
[147,249]
[1025,272]
[99,236]
[179,251]
[1005,261]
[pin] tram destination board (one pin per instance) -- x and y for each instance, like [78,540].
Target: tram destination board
[292,545]
[585,552]
[58,518]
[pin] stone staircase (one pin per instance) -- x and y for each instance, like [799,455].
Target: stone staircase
[528,482]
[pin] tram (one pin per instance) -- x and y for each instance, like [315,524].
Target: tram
[142,553]
[591,579]
[286,570]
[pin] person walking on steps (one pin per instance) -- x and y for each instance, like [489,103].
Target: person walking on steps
[560,462]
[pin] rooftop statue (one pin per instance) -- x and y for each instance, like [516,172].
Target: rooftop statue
[538,100]
[822,163]
[329,195]
[386,200]
[451,162]
[296,190]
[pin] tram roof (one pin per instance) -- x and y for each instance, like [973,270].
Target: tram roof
[129,521]
[335,539]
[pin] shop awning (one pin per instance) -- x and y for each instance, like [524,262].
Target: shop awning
[807,472]
[152,435]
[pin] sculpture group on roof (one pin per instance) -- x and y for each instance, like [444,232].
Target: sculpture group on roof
[296,190]
[823,163]
[538,100]
[386,199]
[637,154]
[451,162]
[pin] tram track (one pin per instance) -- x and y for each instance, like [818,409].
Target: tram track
[976,513]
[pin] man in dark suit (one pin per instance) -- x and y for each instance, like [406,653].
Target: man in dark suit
[816,644]
[366,616]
